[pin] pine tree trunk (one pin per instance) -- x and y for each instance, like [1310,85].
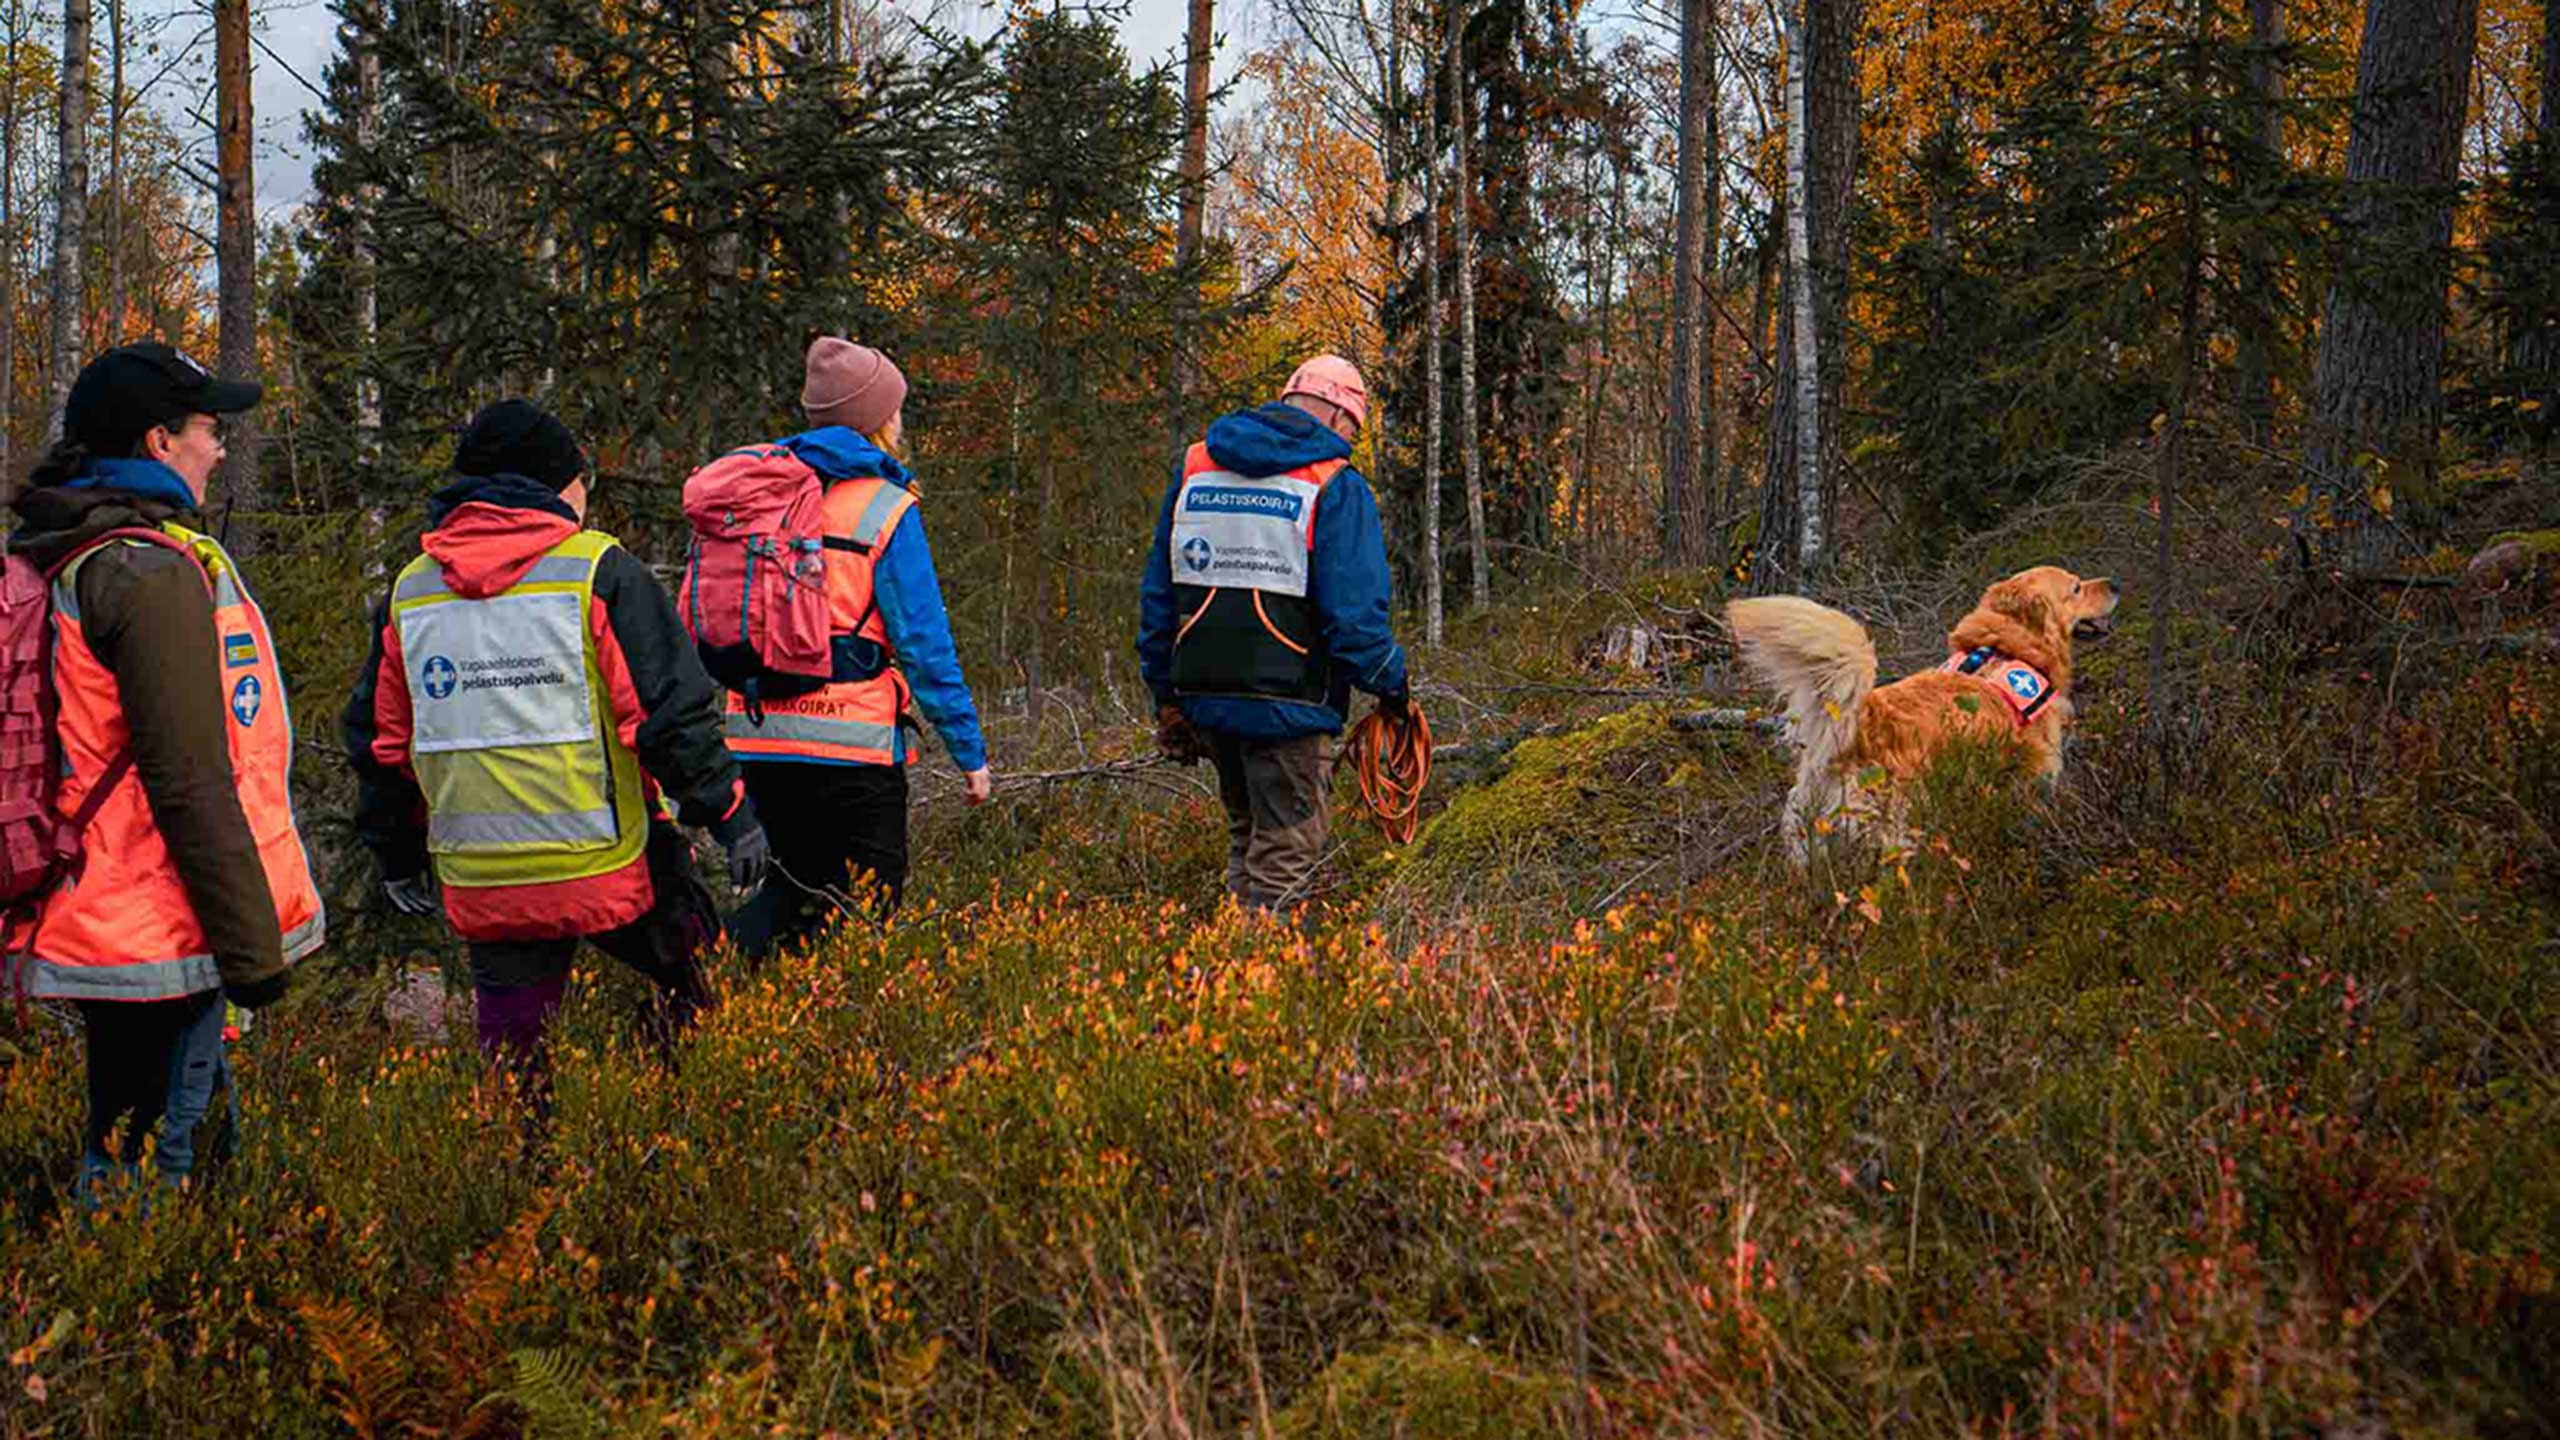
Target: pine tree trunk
[2255,384]
[71,204]
[1462,215]
[1434,595]
[2379,398]
[236,264]
[1194,177]
[2160,707]
[1684,464]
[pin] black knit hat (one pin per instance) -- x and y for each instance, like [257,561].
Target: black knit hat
[518,437]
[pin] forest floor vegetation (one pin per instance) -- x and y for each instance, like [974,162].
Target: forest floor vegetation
[2223,1099]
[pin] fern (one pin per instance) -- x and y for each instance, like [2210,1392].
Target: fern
[550,1387]
[372,1388]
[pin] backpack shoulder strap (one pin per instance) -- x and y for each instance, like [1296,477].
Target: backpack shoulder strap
[120,765]
[137,534]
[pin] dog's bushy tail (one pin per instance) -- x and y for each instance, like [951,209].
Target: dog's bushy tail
[1822,663]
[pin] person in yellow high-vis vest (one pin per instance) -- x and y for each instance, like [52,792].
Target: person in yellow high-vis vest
[177,746]
[529,702]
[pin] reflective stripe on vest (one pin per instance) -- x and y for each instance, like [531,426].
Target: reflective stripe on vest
[149,979]
[123,927]
[847,722]
[515,744]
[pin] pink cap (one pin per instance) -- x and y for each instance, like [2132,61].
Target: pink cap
[851,385]
[1331,378]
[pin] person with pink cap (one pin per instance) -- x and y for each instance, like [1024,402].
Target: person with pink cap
[1265,604]
[827,770]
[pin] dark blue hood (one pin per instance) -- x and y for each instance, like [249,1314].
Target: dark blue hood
[1271,439]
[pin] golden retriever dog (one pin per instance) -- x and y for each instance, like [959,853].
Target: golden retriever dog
[2007,678]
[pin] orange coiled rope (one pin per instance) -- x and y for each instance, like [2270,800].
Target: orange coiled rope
[1392,759]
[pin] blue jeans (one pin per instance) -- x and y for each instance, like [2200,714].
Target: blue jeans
[149,1062]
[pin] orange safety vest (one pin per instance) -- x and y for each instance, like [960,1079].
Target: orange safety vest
[847,721]
[123,928]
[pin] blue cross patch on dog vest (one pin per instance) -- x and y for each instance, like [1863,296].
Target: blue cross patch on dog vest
[2021,684]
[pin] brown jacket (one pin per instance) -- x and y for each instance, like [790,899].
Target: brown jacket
[149,619]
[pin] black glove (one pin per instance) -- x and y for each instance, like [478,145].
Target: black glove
[1175,737]
[1397,707]
[750,851]
[412,894]
[258,994]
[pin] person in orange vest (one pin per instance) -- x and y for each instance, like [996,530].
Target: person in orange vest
[1265,604]
[193,883]
[827,770]
[529,698]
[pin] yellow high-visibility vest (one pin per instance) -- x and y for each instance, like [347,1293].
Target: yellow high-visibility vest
[526,777]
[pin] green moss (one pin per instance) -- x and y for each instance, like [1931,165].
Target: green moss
[1435,1389]
[2537,543]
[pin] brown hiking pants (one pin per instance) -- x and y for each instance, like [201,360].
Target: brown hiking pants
[1276,803]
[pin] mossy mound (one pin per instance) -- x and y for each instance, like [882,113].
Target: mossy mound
[1427,1390]
[2540,544]
[1587,808]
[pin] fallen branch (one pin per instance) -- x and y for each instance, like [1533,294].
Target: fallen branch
[1729,720]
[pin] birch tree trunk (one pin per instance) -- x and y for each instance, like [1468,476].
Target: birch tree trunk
[1434,595]
[115,173]
[1391,216]
[1194,184]
[2378,389]
[71,204]
[236,263]
[1805,476]
[10,249]
[1684,467]
[366,46]
[1801,478]
[1461,215]
[1708,497]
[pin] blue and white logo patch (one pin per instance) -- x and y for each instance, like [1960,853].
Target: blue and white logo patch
[1234,533]
[246,697]
[2023,682]
[437,677]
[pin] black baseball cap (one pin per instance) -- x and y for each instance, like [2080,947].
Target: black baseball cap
[123,393]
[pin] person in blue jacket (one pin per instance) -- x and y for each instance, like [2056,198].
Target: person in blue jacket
[1265,604]
[827,771]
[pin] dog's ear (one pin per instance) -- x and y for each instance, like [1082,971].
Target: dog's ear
[2021,601]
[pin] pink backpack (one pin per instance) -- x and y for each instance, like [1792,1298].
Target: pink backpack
[754,595]
[39,847]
